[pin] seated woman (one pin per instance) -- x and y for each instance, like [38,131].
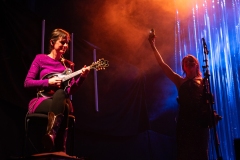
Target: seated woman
[53,96]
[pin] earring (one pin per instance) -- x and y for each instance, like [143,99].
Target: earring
[52,42]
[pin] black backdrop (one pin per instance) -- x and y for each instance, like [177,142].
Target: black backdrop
[126,91]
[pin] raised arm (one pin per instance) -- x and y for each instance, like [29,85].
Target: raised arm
[173,76]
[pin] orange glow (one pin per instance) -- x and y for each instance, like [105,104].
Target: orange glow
[123,26]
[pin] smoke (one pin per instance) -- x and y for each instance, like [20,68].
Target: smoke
[121,28]
[184,8]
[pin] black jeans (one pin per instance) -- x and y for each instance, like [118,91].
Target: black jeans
[57,104]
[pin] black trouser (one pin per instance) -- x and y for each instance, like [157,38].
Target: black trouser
[56,104]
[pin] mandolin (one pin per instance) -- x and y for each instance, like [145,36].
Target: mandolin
[67,75]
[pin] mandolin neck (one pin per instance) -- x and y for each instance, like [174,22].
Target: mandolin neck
[74,74]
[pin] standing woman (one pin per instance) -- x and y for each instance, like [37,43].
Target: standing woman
[192,124]
[58,106]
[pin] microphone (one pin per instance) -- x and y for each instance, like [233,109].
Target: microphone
[205,46]
[152,33]
[204,42]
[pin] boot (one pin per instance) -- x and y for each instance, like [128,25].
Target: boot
[61,140]
[53,126]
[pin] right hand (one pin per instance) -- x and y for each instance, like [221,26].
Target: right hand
[55,81]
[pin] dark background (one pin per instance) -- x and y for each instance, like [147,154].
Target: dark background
[136,117]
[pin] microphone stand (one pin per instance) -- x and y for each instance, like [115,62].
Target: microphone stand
[210,99]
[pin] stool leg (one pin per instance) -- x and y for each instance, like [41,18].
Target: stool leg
[54,122]
[72,142]
[61,139]
[25,138]
[71,132]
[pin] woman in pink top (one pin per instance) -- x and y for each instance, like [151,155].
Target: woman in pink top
[53,94]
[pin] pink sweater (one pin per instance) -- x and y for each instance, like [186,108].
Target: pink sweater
[41,66]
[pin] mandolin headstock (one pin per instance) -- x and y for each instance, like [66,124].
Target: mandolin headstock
[101,64]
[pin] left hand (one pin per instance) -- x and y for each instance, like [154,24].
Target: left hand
[85,71]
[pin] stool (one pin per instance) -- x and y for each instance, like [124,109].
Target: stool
[35,129]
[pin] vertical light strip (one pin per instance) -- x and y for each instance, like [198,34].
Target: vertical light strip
[218,21]
[43,36]
[95,81]
[71,55]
